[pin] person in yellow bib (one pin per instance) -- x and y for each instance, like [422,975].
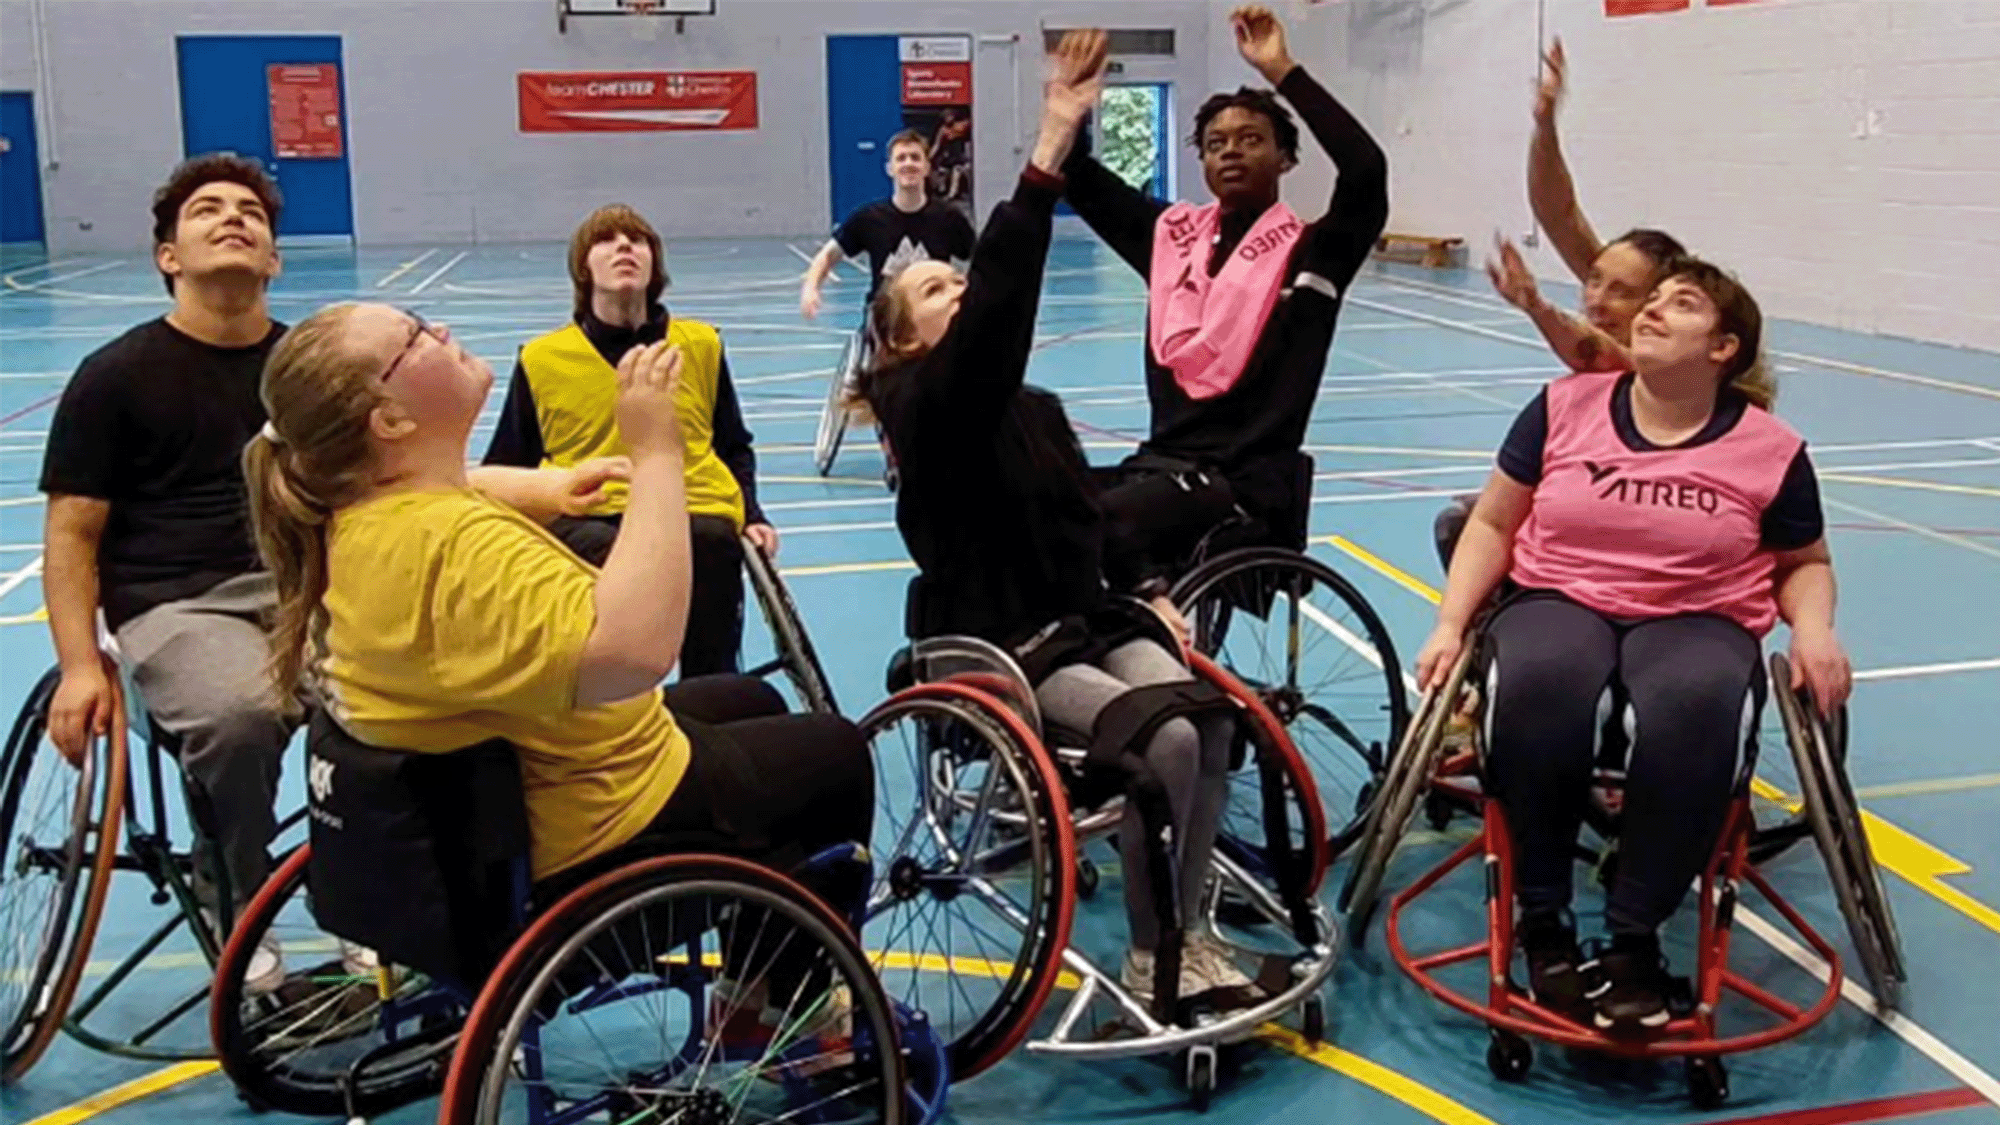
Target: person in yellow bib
[558,412]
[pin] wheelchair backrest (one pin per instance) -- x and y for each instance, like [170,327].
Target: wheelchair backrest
[420,857]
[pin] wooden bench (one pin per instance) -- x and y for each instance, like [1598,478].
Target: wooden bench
[1433,251]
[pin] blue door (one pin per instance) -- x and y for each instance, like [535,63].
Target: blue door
[20,169]
[864,108]
[226,107]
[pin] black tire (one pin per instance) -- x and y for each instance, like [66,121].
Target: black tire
[1842,837]
[796,656]
[1409,778]
[1346,741]
[565,951]
[982,1019]
[1708,1083]
[55,802]
[258,1041]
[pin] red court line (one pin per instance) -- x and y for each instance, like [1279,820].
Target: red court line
[1879,1109]
[30,408]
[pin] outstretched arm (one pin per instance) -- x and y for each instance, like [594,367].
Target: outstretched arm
[1581,346]
[1341,241]
[1551,192]
[1120,214]
[994,333]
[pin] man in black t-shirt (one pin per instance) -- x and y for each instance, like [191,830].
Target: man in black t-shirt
[148,520]
[909,226]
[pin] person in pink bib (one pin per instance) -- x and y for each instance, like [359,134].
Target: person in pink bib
[1651,526]
[1242,296]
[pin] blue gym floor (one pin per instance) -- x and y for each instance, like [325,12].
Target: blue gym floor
[1427,371]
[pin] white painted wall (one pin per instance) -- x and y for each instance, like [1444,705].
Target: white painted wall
[434,142]
[1842,155]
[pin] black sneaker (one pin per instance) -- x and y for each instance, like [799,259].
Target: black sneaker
[1633,998]
[1555,964]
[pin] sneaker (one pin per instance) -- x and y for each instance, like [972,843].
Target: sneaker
[1632,999]
[266,971]
[1556,968]
[1207,971]
[809,1038]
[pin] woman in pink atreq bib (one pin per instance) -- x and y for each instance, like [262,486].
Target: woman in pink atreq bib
[1653,525]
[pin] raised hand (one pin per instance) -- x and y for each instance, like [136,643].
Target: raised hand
[1260,39]
[648,418]
[1555,79]
[1076,76]
[1511,278]
[582,486]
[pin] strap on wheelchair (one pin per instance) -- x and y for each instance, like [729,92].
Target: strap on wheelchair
[1119,737]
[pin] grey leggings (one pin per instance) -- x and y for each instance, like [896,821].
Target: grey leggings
[1193,765]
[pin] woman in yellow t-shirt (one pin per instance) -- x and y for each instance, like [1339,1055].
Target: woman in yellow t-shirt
[442,614]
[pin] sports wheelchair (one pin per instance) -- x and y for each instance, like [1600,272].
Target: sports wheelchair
[627,994]
[1439,766]
[978,830]
[837,414]
[1294,630]
[64,831]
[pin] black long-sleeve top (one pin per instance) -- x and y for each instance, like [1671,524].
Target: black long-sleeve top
[517,436]
[996,506]
[1264,416]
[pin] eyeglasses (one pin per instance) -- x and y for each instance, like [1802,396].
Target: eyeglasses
[419,328]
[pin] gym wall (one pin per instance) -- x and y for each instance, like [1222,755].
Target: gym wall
[432,107]
[1842,155]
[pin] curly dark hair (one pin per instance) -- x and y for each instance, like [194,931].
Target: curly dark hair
[1254,100]
[194,173]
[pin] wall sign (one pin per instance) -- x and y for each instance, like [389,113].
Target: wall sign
[305,111]
[637,101]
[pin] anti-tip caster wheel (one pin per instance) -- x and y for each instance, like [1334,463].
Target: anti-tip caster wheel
[1086,877]
[1508,1056]
[1708,1083]
[1201,1076]
[1312,1021]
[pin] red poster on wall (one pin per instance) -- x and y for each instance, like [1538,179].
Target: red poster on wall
[638,101]
[941,83]
[305,111]
[1616,8]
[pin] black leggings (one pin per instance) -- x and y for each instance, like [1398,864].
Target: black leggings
[762,785]
[1686,690]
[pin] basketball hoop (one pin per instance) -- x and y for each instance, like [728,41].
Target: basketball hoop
[644,29]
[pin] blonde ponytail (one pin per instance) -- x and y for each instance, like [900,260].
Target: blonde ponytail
[312,459]
[1758,385]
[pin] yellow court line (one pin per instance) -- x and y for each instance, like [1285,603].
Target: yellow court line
[1374,1075]
[847,568]
[144,1086]
[36,617]
[1915,859]
[1903,482]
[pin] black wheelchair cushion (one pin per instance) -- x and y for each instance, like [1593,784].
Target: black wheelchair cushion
[420,857]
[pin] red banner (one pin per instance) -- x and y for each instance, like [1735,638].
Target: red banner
[938,83]
[305,111]
[1643,7]
[638,101]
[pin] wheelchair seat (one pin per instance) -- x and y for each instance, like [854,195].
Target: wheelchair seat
[419,857]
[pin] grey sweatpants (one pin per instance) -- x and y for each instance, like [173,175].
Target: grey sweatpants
[200,667]
[1192,764]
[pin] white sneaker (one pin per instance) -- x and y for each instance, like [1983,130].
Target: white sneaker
[266,970]
[1208,960]
[358,960]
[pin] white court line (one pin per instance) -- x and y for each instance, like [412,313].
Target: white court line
[406,267]
[833,271]
[1910,671]
[1349,638]
[42,286]
[828,528]
[1906,1029]
[54,264]
[14,581]
[21,501]
[439,272]
[1944,537]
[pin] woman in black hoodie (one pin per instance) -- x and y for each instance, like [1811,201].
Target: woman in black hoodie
[999,511]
